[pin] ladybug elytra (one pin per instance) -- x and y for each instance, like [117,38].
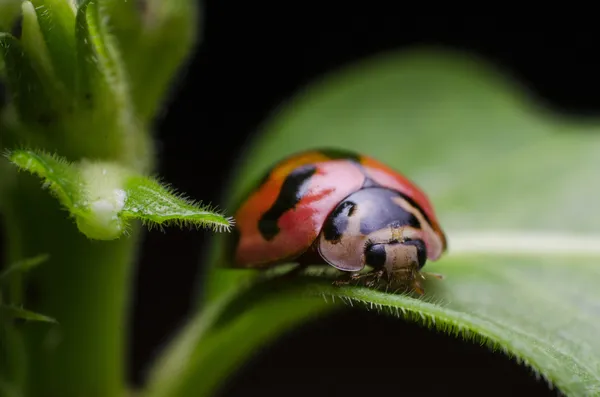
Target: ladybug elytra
[342,209]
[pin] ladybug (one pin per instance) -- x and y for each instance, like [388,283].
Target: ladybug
[338,208]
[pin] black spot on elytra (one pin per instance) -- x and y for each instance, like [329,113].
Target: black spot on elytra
[375,255]
[418,207]
[17,27]
[421,251]
[337,222]
[255,187]
[331,153]
[292,190]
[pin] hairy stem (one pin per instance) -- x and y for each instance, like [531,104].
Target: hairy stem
[84,285]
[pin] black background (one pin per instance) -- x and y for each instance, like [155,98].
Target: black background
[249,61]
[252,59]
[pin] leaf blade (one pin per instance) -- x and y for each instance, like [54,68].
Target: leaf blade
[164,33]
[157,204]
[433,116]
[25,84]
[57,21]
[60,176]
[105,196]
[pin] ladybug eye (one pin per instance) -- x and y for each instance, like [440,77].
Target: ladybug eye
[375,255]
[421,250]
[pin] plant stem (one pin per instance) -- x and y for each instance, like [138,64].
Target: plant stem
[84,285]
[226,332]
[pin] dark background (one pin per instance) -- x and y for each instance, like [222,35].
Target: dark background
[250,60]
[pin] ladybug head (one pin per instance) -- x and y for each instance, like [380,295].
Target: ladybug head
[394,249]
[395,255]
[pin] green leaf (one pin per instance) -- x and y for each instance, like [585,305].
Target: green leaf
[514,186]
[65,75]
[103,92]
[105,54]
[9,12]
[20,313]
[104,197]
[34,44]
[23,266]
[157,204]
[156,32]
[88,79]
[61,177]
[39,97]
[25,82]
[56,19]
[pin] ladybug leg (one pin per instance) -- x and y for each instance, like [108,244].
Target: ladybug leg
[344,279]
[416,283]
[369,279]
[436,275]
[347,277]
[374,277]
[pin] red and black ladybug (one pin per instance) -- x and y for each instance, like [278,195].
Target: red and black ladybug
[335,207]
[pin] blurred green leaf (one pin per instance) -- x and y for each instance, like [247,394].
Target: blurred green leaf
[34,44]
[23,314]
[103,53]
[8,390]
[9,12]
[23,266]
[89,74]
[102,83]
[105,196]
[60,176]
[56,19]
[29,90]
[157,33]
[65,75]
[103,91]
[514,186]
